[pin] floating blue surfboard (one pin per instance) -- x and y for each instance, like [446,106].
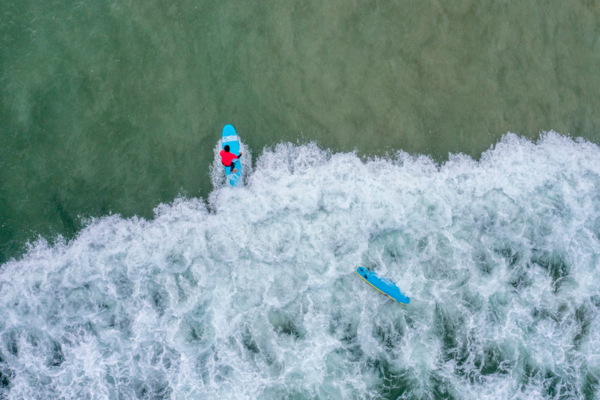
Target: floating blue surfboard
[383,285]
[231,139]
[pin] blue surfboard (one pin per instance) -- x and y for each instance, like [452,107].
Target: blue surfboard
[231,139]
[383,285]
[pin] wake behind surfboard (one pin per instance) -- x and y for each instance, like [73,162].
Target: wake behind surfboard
[383,285]
[231,139]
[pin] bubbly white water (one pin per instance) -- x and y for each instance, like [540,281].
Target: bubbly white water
[255,296]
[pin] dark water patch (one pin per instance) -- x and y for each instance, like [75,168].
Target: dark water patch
[484,263]
[195,331]
[285,324]
[75,333]
[347,333]
[551,313]
[155,388]
[5,375]
[555,384]
[595,301]
[57,355]
[158,301]
[493,361]
[583,317]
[176,262]
[558,387]
[123,285]
[343,328]
[442,388]
[350,333]
[448,330]
[121,321]
[554,263]
[530,371]
[195,328]
[541,313]
[551,383]
[520,278]
[249,342]
[591,386]
[563,311]
[395,385]
[353,352]
[510,254]
[157,296]
[423,243]
[389,335]
[4,380]
[11,342]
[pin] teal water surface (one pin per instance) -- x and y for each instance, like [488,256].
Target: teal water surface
[115,106]
[130,270]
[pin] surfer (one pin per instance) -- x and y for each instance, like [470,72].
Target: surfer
[227,158]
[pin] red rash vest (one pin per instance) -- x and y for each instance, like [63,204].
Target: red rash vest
[227,157]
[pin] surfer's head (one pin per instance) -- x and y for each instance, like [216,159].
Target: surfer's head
[226,148]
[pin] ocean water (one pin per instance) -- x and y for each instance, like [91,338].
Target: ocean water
[252,294]
[116,105]
[375,134]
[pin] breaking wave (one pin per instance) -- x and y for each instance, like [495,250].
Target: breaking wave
[253,294]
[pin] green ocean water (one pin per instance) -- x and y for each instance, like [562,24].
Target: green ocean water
[116,106]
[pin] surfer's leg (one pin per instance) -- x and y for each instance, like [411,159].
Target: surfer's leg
[233,167]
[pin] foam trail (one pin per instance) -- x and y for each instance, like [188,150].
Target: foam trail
[257,297]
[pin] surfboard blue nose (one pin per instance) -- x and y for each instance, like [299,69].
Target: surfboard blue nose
[229,130]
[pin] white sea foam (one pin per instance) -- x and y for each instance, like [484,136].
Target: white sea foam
[256,295]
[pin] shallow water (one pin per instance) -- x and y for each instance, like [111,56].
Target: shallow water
[254,295]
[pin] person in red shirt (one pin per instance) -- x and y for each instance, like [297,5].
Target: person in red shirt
[227,159]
